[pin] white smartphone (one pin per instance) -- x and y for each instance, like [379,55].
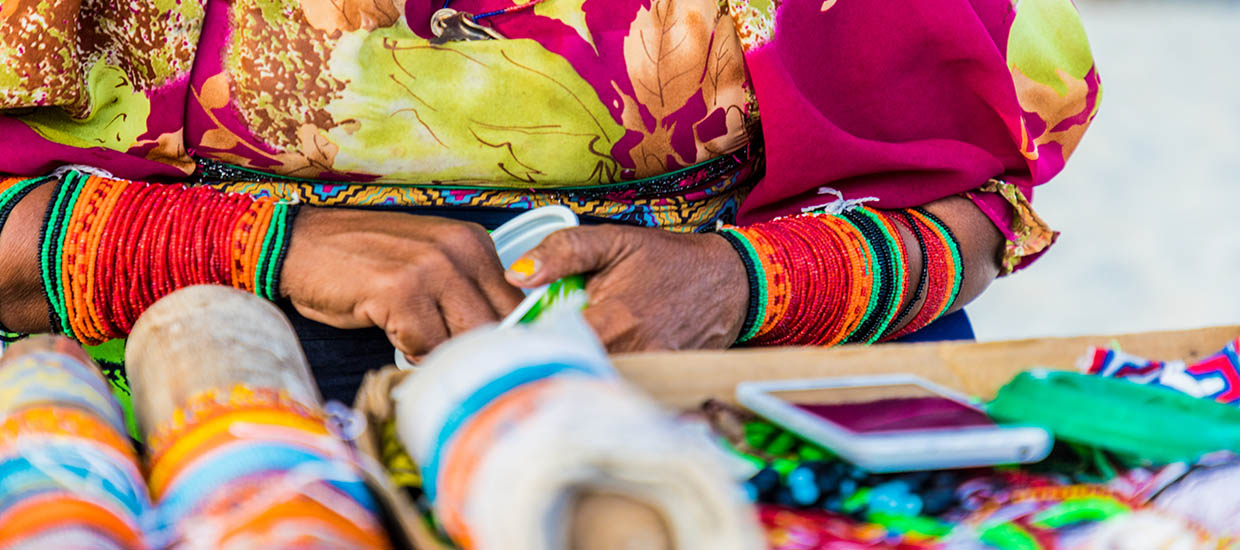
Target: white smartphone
[893,423]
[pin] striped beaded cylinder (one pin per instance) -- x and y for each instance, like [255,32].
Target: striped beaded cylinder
[240,452]
[528,440]
[69,477]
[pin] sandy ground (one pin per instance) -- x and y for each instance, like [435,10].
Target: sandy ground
[1150,205]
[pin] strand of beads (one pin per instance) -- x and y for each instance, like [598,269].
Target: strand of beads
[501,11]
[110,248]
[941,265]
[823,279]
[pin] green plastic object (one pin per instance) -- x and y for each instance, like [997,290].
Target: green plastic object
[1153,423]
[557,291]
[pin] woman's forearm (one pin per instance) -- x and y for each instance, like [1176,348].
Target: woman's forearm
[85,255]
[862,275]
[22,305]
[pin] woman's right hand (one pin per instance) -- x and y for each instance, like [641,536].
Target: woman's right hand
[421,279]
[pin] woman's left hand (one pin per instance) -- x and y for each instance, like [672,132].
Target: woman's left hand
[649,289]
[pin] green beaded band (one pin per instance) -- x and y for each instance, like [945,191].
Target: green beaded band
[277,265]
[51,244]
[265,252]
[898,274]
[283,220]
[883,290]
[872,266]
[756,312]
[271,256]
[277,225]
[45,234]
[8,201]
[78,180]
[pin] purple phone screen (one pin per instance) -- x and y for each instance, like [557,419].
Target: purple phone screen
[899,414]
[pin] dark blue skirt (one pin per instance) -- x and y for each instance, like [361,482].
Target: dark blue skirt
[339,358]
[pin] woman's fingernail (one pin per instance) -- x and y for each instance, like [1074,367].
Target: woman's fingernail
[524,268]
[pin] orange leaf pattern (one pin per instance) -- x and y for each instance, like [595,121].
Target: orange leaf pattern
[675,82]
[659,88]
[351,15]
[668,67]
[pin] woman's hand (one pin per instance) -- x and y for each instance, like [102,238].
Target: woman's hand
[649,289]
[421,279]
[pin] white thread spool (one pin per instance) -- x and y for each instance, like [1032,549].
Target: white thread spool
[572,459]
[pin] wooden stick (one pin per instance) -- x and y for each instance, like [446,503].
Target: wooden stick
[682,380]
[608,521]
[204,337]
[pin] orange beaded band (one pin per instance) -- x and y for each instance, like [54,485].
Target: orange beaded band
[110,248]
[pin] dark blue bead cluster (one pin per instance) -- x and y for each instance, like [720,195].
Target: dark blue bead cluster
[843,488]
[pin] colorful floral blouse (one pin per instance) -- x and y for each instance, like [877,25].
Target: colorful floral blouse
[643,111]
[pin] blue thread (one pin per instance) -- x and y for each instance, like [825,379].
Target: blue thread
[478,400]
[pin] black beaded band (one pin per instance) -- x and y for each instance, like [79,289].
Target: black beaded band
[50,229]
[925,269]
[213,171]
[755,298]
[885,265]
[277,266]
[899,271]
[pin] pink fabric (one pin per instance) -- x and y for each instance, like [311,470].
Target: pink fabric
[908,102]
[29,153]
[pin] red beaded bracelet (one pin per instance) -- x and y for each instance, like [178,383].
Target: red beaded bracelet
[118,246]
[823,275]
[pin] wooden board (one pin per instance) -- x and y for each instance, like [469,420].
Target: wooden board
[682,380]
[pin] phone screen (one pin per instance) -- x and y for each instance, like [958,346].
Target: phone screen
[889,408]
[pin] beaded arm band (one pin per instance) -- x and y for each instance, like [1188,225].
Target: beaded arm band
[14,191]
[821,279]
[757,286]
[110,248]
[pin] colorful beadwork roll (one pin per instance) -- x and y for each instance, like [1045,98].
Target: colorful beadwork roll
[69,477]
[826,279]
[240,452]
[110,248]
[518,430]
[252,468]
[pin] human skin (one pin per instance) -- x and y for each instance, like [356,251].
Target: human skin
[654,290]
[424,279]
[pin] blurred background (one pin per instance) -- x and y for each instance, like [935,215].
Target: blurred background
[1149,205]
